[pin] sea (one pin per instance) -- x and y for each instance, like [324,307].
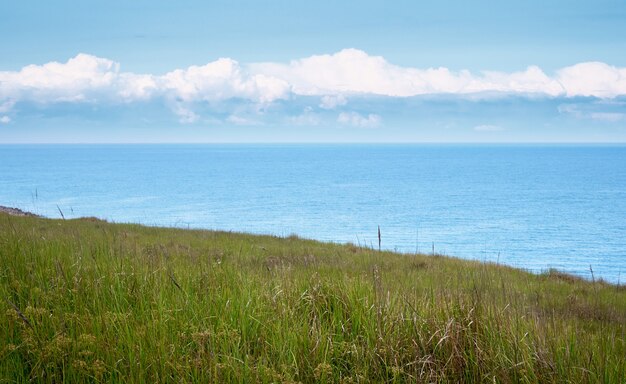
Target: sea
[534,207]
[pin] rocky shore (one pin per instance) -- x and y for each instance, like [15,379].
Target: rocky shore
[16,212]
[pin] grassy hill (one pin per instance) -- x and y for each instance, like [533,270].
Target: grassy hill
[87,301]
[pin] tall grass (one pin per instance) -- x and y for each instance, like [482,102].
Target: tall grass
[87,301]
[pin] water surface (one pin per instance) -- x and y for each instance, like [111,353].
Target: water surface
[534,207]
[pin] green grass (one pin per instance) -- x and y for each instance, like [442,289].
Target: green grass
[88,301]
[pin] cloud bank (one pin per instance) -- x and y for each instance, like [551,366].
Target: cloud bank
[332,79]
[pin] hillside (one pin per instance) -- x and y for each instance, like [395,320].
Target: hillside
[86,301]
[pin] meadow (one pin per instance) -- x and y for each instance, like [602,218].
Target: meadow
[84,300]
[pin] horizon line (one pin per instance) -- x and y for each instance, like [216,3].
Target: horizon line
[603,143]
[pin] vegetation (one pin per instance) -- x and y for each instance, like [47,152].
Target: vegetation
[88,301]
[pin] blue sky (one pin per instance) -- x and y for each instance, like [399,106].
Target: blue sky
[288,71]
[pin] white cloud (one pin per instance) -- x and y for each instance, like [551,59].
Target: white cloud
[6,106]
[86,77]
[347,71]
[332,101]
[220,80]
[358,120]
[80,79]
[331,77]
[134,87]
[595,111]
[488,128]
[5,120]
[352,71]
[185,115]
[306,118]
[593,79]
[608,116]
[531,81]
[239,120]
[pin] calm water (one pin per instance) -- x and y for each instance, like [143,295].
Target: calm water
[533,207]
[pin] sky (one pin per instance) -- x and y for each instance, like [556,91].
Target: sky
[322,71]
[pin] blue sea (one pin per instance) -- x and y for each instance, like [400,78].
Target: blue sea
[530,206]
